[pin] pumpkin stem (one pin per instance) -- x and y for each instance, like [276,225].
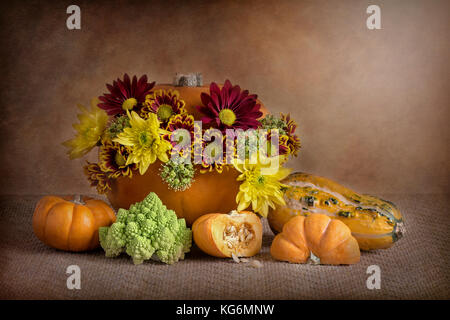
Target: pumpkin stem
[77,199]
[399,231]
[188,80]
[313,259]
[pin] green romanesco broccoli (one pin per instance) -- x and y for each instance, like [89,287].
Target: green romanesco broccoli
[148,229]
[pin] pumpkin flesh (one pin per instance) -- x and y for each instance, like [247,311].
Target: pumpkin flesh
[222,235]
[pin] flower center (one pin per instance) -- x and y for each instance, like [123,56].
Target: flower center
[164,112]
[119,159]
[227,117]
[129,104]
[145,140]
[87,133]
[260,179]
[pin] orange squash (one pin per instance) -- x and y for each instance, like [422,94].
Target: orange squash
[210,192]
[71,223]
[330,240]
[374,222]
[220,235]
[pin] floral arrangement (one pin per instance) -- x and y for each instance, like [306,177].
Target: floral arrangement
[134,125]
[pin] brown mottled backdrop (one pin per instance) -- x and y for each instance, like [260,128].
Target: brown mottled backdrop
[372,106]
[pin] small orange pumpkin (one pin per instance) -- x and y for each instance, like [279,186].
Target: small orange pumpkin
[220,235]
[328,239]
[71,223]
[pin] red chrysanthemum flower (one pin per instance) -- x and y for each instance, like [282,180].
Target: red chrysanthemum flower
[125,95]
[180,121]
[113,157]
[283,141]
[165,103]
[97,177]
[293,142]
[229,108]
[210,160]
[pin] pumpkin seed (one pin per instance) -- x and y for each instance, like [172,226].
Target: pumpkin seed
[255,264]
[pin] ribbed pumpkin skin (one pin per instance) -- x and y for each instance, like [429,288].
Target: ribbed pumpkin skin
[374,222]
[210,192]
[65,225]
[328,239]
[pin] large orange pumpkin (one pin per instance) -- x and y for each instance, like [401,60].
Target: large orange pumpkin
[71,223]
[210,192]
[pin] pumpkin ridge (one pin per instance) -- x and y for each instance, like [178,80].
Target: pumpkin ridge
[288,237]
[47,214]
[96,222]
[110,212]
[326,231]
[54,211]
[322,236]
[39,209]
[308,242]
[71,224]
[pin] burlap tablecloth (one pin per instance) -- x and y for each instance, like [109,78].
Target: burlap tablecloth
[417,267]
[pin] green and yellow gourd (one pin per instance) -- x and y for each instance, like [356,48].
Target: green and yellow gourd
[374,222]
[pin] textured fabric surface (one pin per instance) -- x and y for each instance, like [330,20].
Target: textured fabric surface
[417,267]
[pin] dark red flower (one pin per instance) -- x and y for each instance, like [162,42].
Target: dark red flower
[165,103]
[293,142]
[180,121]
[125,95]
[229,108]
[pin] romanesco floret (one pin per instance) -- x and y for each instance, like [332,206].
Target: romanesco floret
[148,228]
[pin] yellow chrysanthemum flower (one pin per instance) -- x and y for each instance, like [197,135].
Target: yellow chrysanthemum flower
[89,130]
[260,190]
[144,137]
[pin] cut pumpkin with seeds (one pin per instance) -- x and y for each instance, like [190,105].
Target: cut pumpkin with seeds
[222,235]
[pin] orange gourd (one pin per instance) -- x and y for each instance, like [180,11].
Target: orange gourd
[210,191]
[330,240]
[71,223]
[221,235]
[374,222]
